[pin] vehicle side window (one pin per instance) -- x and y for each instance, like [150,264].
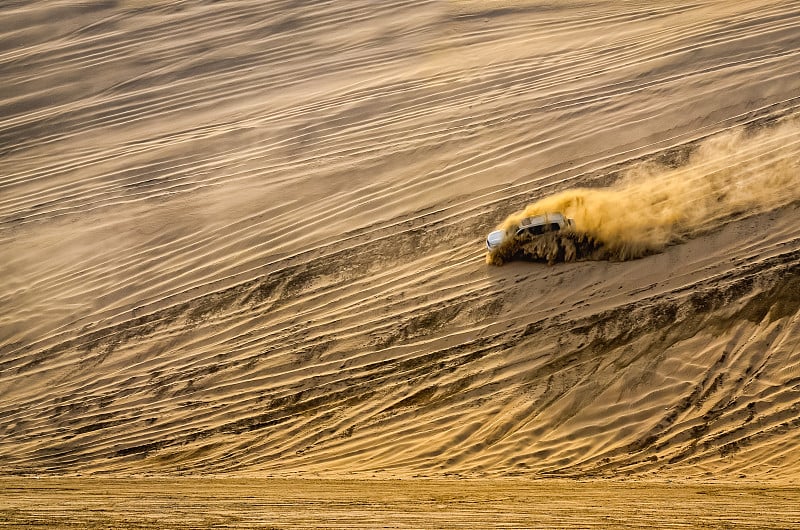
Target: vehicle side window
[554,226]
[536,230]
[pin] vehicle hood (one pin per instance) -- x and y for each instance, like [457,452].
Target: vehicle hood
[494,239]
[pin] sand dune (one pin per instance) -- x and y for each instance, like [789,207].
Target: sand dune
[248,237]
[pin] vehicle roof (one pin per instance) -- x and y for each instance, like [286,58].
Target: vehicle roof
[542,219]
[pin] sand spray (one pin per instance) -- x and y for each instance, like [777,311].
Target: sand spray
[651,206]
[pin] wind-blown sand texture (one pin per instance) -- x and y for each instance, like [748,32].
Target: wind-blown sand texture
[248,237]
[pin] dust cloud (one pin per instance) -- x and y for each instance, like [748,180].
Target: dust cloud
[652,206]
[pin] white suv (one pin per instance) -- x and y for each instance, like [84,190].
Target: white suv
[536,225]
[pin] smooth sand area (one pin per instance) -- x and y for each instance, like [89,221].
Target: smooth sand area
[279,503]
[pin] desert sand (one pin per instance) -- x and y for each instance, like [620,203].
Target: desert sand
[247,239]
[182,503]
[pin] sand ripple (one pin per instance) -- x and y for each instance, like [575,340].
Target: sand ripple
[247,236]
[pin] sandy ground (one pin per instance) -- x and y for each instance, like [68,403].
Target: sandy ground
[247,237]
[239,503]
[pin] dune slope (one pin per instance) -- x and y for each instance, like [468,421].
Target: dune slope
[247,237]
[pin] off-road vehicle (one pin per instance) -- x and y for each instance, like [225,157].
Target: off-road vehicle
[536,225]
